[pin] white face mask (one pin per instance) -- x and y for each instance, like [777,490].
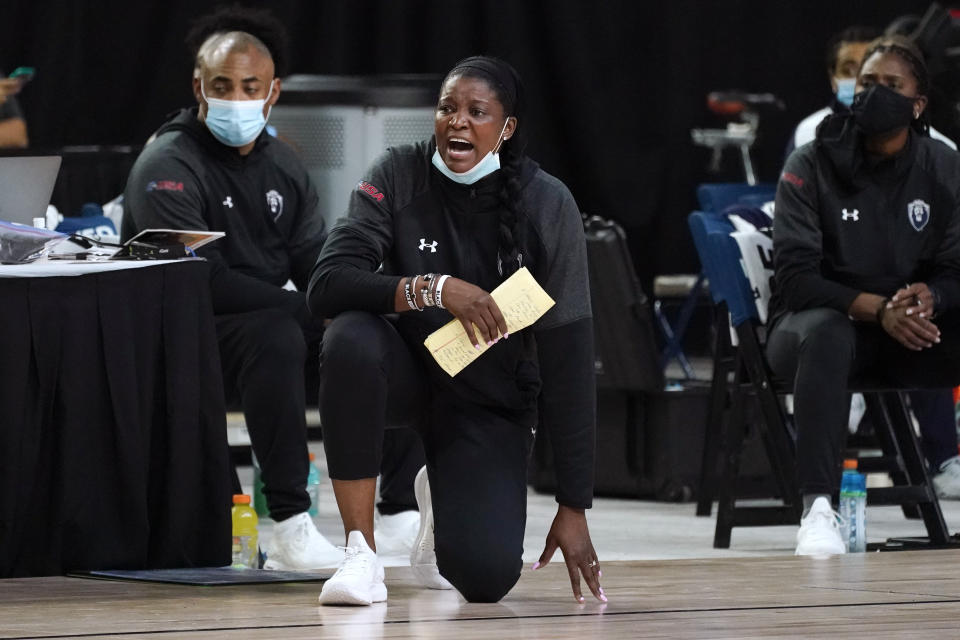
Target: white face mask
[235,122]
[487,165]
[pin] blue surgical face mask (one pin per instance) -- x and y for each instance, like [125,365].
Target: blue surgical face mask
[845,90]
[487,165]
[235,122]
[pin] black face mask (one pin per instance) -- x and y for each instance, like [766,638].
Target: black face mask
[880,109]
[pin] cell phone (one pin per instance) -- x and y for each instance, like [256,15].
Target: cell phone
[23,74]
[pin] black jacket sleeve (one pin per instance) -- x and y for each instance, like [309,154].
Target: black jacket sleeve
[182,207]
[345,276]
[568,407]
[945,281]
[798,241]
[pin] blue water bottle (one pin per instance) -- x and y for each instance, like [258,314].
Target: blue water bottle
[853,507]
[313,487]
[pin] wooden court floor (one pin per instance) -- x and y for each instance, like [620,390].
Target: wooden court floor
[874,595]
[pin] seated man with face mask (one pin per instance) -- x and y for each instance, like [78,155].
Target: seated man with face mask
[212,167]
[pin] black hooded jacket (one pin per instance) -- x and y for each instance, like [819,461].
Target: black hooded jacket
[409,218]
[847,222]
[264,201]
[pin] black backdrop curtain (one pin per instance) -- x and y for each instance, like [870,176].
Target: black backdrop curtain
[614,86]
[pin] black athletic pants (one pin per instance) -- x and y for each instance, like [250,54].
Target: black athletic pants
[820,350]
[263,355]
[370,381]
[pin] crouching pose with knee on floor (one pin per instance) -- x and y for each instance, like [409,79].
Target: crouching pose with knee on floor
[449,219]
[867,263]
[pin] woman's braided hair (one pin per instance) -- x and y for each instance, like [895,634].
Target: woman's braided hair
[911,54]
[505,82]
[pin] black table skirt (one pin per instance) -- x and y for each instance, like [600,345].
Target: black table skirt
[113,450]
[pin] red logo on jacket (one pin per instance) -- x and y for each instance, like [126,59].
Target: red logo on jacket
[370,190]
[792,178]
[164,185]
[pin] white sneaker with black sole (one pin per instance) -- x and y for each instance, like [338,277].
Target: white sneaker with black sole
[298,546]
[947,481]
[423,558]
[359,580]
[819,533]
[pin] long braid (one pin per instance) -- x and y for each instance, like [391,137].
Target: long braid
[510,238]
[505,82]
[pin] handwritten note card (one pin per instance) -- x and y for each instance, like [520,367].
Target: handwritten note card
[522,302]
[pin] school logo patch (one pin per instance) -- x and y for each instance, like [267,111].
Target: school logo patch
[918,212]
[164,185]
[370,190]
[275,202]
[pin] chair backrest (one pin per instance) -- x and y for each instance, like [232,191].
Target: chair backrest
[717,196]
[720,258]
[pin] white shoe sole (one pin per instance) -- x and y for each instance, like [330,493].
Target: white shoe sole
[275,564]
[426,573]
[333,593]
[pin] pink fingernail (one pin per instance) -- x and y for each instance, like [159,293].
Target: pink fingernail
[580,599]
[477,347]
[506,335]
[489,343]
[909,312]
[603,597]
[599,573]
[601,590]
[536,565]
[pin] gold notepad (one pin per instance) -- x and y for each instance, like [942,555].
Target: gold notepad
[522,302]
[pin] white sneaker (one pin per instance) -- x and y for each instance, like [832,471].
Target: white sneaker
[819,533]
[423,558]
[947,482]
[298,546]
[396,533]
[359,580]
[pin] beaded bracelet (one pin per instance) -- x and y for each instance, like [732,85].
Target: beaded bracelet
[425,291]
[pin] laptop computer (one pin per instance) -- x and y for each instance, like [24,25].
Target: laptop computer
[26,183]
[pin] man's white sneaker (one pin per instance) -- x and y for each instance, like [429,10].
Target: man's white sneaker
[396,533]
[947,481]
[298,546]
[359,580]
[423,558]
[819,533]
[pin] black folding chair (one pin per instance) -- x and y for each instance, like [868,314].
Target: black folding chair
[902,457]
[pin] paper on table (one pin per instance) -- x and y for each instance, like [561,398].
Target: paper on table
[522,302]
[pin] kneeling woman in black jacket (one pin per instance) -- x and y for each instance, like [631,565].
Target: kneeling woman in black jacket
[448,220]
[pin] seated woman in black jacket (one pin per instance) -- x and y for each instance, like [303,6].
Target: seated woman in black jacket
[867,264]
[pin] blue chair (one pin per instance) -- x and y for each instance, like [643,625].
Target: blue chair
[715,197]
[902,457]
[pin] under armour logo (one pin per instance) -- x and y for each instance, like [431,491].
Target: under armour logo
[228,202]
[851,215]
[424,244]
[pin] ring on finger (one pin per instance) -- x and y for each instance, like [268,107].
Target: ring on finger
[593,563]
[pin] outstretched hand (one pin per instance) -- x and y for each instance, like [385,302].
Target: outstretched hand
[569,533]
[473,306]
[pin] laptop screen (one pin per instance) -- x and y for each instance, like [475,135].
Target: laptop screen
[26,183]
